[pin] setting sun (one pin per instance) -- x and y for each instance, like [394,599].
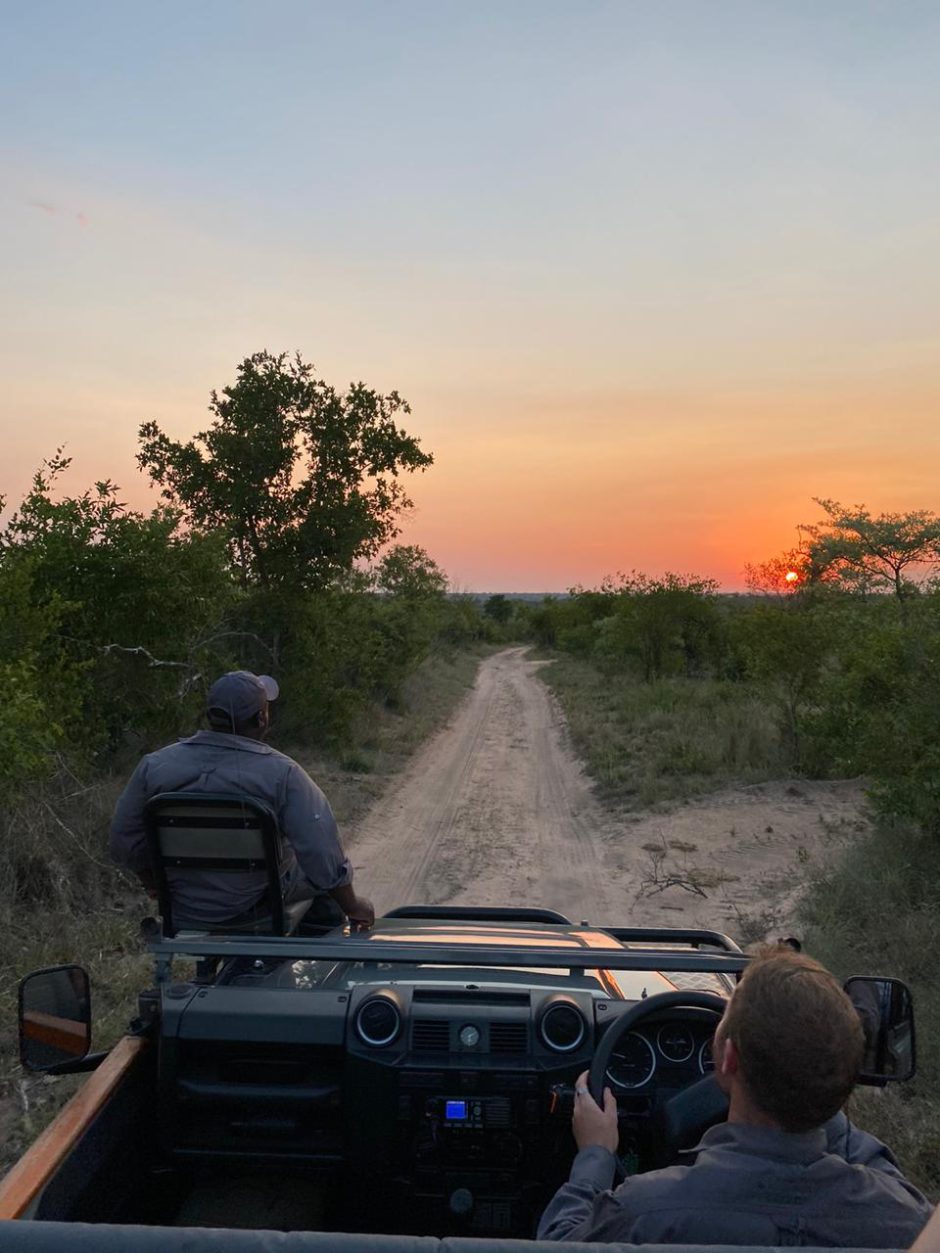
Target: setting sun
[791,576]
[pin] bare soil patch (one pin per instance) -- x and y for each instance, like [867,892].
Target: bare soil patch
[496,810]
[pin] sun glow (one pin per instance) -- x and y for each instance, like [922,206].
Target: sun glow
[791,576]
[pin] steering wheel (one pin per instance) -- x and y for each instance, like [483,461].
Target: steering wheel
[692,1110]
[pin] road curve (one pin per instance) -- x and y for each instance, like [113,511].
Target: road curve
[493,810]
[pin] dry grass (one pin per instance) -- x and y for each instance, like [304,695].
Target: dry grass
[877,911]
[648,743]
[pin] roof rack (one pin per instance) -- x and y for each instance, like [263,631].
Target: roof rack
[568,950]
[697,937]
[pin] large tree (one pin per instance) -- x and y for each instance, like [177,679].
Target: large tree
[873,553]
[302,479]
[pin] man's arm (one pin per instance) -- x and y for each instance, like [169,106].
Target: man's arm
[307,823]
[584,1206]
[585,1203]
[309,826]
[357,909]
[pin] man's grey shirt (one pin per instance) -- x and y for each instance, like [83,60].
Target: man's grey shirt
[212,761]
[834,1186]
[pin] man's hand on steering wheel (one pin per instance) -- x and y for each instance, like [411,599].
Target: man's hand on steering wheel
[590,1124]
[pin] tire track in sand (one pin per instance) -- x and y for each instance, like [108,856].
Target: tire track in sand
[494,810]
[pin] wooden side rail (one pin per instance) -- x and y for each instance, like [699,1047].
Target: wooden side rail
[40,1162]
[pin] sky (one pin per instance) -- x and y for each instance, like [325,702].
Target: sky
[652,275]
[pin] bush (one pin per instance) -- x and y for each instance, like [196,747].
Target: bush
[875,911]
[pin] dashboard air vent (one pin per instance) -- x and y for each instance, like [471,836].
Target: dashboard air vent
[509,1037]
[378,1022]
[562,1027]
[430,1035]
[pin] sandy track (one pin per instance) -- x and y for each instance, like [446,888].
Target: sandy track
[496,810]
[493,810]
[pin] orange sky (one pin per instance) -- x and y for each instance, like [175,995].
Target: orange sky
[651,276]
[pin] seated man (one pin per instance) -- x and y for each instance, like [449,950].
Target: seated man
[786,1168]
[230,757]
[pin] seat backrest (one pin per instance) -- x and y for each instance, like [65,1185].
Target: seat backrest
[212,831]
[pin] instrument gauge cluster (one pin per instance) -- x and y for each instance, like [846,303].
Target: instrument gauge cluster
[675,1042]
[633,1062]
[673,1047]
[706,1062]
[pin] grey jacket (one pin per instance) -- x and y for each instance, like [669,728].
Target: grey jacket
[211,761]
[835,1186]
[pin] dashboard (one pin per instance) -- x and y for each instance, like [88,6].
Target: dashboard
[434,1099]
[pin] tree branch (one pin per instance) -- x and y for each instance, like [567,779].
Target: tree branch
[153,663]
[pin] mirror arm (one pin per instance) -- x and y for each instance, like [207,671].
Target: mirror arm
[79,1067]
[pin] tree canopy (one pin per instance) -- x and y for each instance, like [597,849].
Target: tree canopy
[302,479]
[872,553]
[407,570]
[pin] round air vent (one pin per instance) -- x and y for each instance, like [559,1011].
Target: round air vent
[378,1022]
[562,1027]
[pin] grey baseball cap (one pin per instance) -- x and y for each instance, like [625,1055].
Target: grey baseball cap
[240,695]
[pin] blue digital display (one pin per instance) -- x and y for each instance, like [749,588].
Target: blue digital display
[455,1111]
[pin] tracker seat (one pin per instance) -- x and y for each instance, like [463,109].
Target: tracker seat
[190,832]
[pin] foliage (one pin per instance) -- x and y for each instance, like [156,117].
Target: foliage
[668,625]
[29,733]
[42,686]
[407,571]
[867,553]
[302,480]
[656,627]
[875,909]
[785,649]
[117,610]
[499,608]
[461,624]
[784,575]
[879,706]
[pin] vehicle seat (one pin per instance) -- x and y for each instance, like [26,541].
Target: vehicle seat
[191,832]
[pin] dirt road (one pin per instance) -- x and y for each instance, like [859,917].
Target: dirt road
[496,810]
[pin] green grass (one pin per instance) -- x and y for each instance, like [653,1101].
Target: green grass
[877,911]
[649,743]
[62,901]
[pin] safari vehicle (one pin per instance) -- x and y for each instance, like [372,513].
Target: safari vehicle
[415,1080]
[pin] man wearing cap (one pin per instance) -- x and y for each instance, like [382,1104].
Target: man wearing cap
[232,757]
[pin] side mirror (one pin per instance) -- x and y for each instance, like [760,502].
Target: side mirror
[54,1017]
[887,1013]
